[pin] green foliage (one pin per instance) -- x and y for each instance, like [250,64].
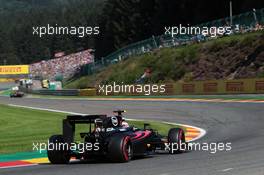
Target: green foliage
[260,74]
[121,22]
[127,21]
[167,65]
[241,39]
[247,41]
[18,45]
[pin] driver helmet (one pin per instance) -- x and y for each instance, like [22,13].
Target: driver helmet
[124,123]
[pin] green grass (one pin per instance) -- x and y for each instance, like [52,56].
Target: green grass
[167,64]
[20,127]
[5,92]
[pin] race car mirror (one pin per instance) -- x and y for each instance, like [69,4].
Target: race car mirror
[146,125]
[114,121]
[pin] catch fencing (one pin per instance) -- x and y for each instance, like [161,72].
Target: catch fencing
[245,22]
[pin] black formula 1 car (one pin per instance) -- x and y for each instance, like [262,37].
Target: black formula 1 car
[107,138]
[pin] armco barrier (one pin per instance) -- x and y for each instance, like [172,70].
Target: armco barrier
[213,87]
[239,86]
[88,92]
[70,92]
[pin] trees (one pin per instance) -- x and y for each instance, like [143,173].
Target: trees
[19,45]
[121,22]
[127,21]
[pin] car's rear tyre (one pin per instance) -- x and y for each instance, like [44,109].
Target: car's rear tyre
[58,155]
[120,149]
[176,141]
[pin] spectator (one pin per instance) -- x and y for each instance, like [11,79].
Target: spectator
[65,66]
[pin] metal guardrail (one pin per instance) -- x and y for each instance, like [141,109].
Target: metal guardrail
[212,87]
[65,92]
[73,92]
[245,20]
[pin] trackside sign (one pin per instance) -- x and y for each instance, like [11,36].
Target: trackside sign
[14,70]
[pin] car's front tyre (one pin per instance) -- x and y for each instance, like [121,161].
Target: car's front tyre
[176,141]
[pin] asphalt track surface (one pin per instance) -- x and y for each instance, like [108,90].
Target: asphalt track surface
[242,124]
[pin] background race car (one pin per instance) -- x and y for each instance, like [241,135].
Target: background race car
[15,92]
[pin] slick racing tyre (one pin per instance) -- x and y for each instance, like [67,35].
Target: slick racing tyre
[120,149]
[176,141]
[57,154]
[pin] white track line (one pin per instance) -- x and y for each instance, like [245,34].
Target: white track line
[46,109]
[227,169]
[17,166]
[202,131]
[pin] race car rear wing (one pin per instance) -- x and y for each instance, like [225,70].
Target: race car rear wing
[78,119]
[71,120]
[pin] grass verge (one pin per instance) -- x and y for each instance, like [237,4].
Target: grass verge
[5,92]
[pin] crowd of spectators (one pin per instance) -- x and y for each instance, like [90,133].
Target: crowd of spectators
[64,66]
